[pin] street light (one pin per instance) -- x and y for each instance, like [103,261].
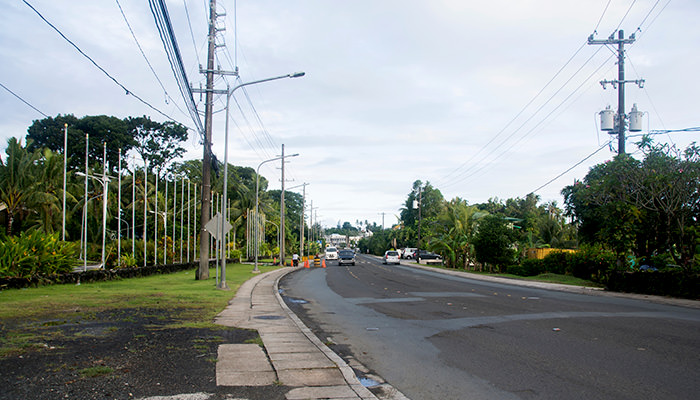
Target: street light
[165,221]
[279,233]
[257,190]
[229,93]
[104,180]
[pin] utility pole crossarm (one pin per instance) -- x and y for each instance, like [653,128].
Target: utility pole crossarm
[619,83]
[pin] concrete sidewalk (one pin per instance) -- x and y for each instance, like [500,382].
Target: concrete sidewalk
[293,355]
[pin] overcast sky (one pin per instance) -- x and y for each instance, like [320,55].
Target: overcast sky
[480,98]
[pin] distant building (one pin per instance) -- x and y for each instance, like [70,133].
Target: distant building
[342,241]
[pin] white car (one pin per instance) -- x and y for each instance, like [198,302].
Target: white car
[391,257]
[331,253]
[408,252]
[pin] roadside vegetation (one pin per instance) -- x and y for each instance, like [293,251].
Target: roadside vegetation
[630,224]
[25,314]
[152,200]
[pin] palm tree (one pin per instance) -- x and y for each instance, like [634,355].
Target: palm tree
[17,181]
[46,201]
[455,230]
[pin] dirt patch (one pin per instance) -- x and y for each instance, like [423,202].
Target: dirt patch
[122,354]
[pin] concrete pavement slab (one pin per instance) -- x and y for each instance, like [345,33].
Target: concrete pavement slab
[243,365]
[295,356]
[311,377]
[324,392]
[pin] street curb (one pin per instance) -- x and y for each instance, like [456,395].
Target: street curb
[345,369]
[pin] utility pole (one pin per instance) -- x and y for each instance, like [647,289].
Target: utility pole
[282,213]
[382,214]
[203,272]
[620,121]
[301,225]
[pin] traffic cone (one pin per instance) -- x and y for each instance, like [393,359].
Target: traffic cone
[323,263]
[306,263]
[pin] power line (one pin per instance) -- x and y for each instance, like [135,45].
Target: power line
[165,29]
[128,92]
[625,16]
[574,166]
[463,176]
[189,23]
[522,110]
[23,100]
[601,16]
[133,35]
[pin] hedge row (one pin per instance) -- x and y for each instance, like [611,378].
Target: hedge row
[677,283]
[601,266]
[97,275]
[589,264]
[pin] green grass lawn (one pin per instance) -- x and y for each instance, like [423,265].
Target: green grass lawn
[27,315]
[199,301]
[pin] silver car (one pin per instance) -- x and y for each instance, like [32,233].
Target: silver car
[391,257]
[346,256]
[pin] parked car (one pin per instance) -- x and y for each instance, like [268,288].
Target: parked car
[391,257]
[346,256]
[426,255]
[408,253]
[331,253]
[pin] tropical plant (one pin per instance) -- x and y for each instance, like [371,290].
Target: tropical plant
[34,253]
[17,183]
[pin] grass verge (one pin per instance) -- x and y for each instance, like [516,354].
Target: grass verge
[23,312]
[546,277]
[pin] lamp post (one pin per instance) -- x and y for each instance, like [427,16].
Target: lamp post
[279,233]
[257,191]
[65,166]
[301,223]
[104,180]
[229,93]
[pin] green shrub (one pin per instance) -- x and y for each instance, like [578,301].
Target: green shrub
[556,262]
[592,263]
[235,255]
[528,267]
[35,253]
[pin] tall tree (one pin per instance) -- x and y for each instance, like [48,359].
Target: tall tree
[158,143]
[493,242]
[48,133]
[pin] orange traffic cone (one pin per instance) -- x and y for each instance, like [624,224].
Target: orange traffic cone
[306,263]
[323,263]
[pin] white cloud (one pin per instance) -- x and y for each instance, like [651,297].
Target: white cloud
[395,90]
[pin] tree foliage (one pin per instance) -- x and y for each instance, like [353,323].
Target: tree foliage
[644,208]
[493,242]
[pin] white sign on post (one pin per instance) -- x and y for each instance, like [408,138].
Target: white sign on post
[214,226]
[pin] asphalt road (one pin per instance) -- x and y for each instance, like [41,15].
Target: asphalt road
[434,336]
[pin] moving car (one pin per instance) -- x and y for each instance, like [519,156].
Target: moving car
[391,257]
[331,253]
[346,256]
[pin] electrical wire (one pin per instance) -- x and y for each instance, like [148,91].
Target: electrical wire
[595,30]
[189,23]
[625,16]
[574,166]
[128,92]
[264,130]
[133,35]
[522,110]
[23,100]
[465,174]
[165,29]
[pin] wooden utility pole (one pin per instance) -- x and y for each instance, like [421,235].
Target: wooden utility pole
[620,122]
[203,271]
